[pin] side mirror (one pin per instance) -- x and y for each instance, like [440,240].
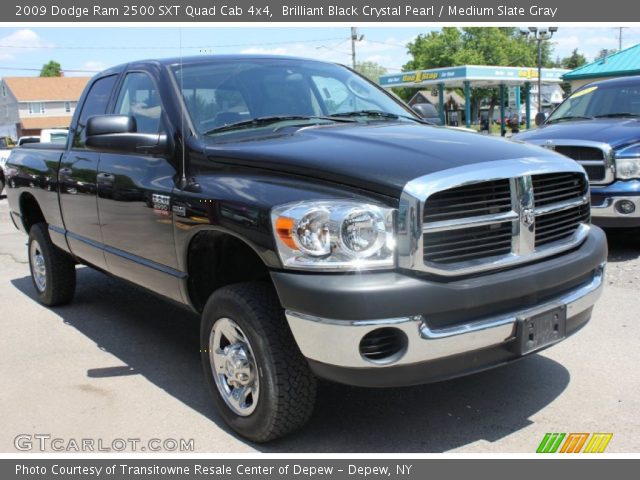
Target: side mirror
[118,133]
[540,118]
[427,112]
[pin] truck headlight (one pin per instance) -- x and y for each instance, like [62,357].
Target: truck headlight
[628,162]
[334,235]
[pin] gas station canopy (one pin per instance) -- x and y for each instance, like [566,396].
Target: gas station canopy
[474,76]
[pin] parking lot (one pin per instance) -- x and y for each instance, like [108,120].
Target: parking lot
[120,363]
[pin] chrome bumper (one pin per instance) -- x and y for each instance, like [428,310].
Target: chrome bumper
[607,208]
[336,342]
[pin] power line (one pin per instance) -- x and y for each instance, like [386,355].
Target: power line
[65,70]
[154,47]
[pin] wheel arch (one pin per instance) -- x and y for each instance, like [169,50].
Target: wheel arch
[30,211]
[215,259]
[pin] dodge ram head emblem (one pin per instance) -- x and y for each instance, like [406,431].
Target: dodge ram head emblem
[528,217]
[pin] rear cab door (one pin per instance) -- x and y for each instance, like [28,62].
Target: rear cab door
[77,178]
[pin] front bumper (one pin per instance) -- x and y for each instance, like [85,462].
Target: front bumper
[452,327]
[605,201]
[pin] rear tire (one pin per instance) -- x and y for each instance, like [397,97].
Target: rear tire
[53,271]
[259,363]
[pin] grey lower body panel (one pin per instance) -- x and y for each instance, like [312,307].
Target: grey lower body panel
[604,212]
[442,319]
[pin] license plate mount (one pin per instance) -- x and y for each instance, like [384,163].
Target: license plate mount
[541,329]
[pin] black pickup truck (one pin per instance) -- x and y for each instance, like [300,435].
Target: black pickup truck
[319,226]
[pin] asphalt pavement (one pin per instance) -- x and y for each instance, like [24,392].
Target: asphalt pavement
[119,363]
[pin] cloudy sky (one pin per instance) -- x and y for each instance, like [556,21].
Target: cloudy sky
[82,51]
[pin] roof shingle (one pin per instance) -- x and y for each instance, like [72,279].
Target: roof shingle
[36,89]
[34,123]
[622,63]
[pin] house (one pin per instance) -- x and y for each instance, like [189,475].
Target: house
[620,64]
[454,103]
[30,104]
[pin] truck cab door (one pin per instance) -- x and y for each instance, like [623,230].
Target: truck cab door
[78,182]
[134,198]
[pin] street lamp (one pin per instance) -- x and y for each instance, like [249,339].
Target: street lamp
[539,34]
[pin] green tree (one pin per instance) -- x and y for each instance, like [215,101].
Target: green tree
[574,60]
[453,46]
[51,69]
[605,52]
[371,70]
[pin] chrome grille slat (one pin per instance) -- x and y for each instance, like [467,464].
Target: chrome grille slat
[559,206]
[445,225]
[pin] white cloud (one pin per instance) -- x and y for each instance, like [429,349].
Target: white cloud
[20,42]
[589,41]
[390,52]
[94,66]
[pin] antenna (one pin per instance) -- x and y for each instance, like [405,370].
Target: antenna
[183,178]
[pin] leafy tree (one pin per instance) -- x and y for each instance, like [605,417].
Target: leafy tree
[453,46]
[371,70]
[574,60]
[605,52]
[51,69]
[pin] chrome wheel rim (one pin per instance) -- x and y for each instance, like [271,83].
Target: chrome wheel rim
[234,367]
[38,267]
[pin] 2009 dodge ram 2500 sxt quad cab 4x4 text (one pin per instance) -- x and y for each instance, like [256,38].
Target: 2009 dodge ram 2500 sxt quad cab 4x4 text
[319,226]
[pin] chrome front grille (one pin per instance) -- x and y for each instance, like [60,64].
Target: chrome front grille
[595,157]
[478,221]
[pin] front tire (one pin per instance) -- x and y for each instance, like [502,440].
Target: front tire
[259,380]
[53,271]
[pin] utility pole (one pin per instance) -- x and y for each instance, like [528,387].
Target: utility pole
[354,39]
[539,35]
[620,37]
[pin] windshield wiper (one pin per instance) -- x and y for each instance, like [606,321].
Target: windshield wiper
[617,114]
[264,121]
[568,117]
[366,113]
[380,114]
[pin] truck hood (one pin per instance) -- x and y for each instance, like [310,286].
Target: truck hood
[379,157]
[616,132]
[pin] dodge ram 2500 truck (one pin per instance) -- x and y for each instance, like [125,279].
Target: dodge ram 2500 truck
[599,127]
[317,224]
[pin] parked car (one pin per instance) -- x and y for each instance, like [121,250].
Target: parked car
[599,127]
[427,112]
[28,139]
[4,156]
[319,227]
[6,144]
[54,135]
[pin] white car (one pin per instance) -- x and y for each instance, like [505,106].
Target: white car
[54,135]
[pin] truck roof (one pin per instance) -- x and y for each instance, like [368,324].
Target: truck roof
[196,59]
[618,82]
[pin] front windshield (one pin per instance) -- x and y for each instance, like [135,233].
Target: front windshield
[600,101]
[226,92]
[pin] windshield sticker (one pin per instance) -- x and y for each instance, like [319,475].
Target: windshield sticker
[583,92]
